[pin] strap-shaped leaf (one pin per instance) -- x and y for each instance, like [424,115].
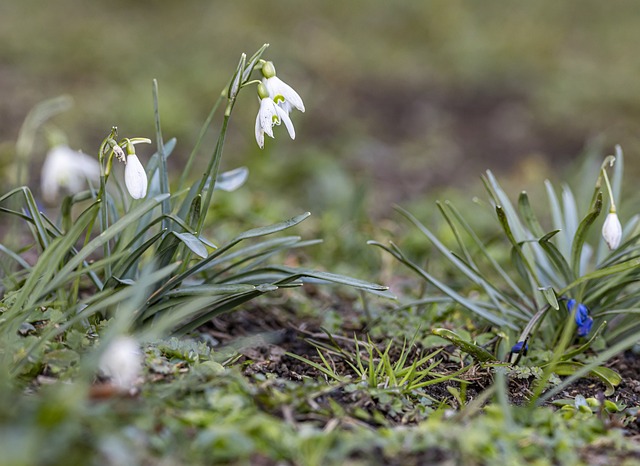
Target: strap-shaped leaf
[483,249]
[193,243]
[609,377]
[210,290]
[517,247]
[550,296]
[232,179]
[528,215]
[45,271]
[275,228]
[614,269]
[475,351]
[131,217]
[32,211]
[253,233]
[555,256]
[581,234]
[467,303]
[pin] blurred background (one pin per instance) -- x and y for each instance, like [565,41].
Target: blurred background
[403,98]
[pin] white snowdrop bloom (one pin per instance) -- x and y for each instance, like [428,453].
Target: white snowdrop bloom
[122,362]
[270,115]
[135,177]
[66,168]
[612,230]
[279,91]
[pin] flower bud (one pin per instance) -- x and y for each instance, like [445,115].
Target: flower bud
[268,70]
[135,177]
[612,230]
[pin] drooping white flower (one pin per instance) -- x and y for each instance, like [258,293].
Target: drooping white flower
[66,168]
[122,362]
[612,230]
[269,115]
[135,177]
[281,93]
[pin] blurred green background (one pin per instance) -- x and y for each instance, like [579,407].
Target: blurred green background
[402,97]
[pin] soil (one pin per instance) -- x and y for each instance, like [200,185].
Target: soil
[272,332]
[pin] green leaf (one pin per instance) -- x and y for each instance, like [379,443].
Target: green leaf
[193,243]
[608,376]
[467,303]
[584,347]
[504,221]
[494,294]
[210,290]
[483,250]
[232,179]
[256,232]
[45,271]
[268,230]
[130,218]
[296,273]
[528,215]
[33,212]
[614,269]
[581,233]
[555,256]
[558,223]
[550,296]
[475,351]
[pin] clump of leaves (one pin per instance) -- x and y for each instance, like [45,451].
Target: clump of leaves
[146,261]
[554,280]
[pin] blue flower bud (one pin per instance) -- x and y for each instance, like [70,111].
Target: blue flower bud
[517,348]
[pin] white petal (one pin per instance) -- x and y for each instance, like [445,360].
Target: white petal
[268,110]
[284,116]
[65,167]
[612,231]
[122,362]
[259,132]
[276,87]
[135,177]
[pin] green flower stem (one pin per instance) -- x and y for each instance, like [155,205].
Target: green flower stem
[612,208]
[194,151]
[563,344]
[164,175]
[212,169]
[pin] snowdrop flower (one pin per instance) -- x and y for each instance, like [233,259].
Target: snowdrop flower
[269,115]
[66,168]
[612,230]
[122,363]
[135,177]
[279,91]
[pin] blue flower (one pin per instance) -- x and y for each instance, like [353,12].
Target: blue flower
[585,328]
[583,320]
[517,348]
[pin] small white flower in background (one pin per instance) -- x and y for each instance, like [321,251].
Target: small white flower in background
[279,91]
[135,177]
[270,115]
[612,230]
[68,169]
[122,363]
